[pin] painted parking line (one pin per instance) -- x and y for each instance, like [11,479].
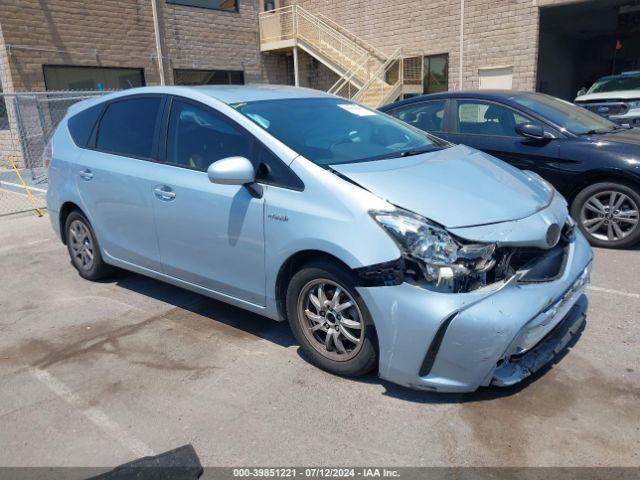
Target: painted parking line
[613,292]
[11,184]
[9,248]
[95,415]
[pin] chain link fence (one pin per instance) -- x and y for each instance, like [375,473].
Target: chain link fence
[27,122]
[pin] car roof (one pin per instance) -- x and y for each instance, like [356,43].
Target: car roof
[498,95]
[635,73]
[229,94]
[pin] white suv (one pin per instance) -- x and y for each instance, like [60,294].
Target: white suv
[616,97]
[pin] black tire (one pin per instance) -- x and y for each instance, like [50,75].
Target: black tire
[95,269]
[365,357]
[581,213]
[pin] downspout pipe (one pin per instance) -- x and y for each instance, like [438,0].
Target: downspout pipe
[156,28]
[461,74]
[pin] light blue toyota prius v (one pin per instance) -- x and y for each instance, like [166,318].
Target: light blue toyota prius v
[384,247]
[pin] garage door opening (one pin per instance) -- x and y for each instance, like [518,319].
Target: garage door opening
[582,42]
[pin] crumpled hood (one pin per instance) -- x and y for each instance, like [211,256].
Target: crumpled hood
[456,187]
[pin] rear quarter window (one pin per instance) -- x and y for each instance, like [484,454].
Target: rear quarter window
[81,125]
[127,127]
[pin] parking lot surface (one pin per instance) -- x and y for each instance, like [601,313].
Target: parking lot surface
[98,374]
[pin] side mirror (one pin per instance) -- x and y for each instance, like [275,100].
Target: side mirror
[531,130]
[581,92]
[231,171]
[235,171]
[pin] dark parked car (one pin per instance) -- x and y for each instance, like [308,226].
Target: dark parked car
[593,162]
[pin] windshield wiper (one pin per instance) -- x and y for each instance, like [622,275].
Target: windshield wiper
[596,131]
[409,153]
[615,128]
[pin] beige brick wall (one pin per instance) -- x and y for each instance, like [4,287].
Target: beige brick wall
[277,69]
[77,32]
[501,33]
[120,33]
[209,39]
[496,32]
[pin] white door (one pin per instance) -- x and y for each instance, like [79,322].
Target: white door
[496,78]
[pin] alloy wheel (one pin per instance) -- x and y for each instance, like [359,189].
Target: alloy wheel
[609,215]
[331,319]
[81,243]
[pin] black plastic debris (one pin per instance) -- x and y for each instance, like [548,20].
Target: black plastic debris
[179,464]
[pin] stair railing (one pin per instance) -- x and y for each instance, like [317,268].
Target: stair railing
[354,38]
[345,86]
[337,45]
[384,82]
[321,35]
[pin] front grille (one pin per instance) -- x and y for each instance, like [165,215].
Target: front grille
[543,265]
[607,108]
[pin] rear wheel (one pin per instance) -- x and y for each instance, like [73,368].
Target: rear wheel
[83,248]
[330,320]
[608,214]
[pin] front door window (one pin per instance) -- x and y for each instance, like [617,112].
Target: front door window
[476,117]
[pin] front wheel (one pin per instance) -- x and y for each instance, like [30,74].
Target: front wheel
[608,214]
[330,320]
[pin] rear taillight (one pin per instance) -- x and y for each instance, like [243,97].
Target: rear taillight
[47,155]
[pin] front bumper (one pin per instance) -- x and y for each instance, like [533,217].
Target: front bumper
[632,118]
[459,342]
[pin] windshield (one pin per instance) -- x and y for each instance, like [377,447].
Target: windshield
[615,84]
[567,116]
[329,131]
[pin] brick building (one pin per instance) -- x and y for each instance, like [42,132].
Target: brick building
[555,46]
[76,44]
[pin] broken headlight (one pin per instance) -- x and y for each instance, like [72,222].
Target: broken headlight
[441,257]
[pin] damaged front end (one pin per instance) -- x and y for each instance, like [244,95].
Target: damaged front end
[544,336]
[434,258]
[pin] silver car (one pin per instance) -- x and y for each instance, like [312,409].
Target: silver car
[384,247]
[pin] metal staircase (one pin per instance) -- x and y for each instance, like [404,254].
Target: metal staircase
[366,75]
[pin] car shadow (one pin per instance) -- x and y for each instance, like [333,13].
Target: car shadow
[280,334]
[251,323]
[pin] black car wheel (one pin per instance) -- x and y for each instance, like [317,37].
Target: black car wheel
[608,214]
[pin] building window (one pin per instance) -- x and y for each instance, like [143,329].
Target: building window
[208,77]
[269,5]
[57,77]
[225,5]
[4,116]
[436,73]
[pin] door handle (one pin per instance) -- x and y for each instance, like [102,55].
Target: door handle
[86,174]
[164,193]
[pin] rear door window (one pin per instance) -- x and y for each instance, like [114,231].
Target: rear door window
[427,116]
[128,127]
